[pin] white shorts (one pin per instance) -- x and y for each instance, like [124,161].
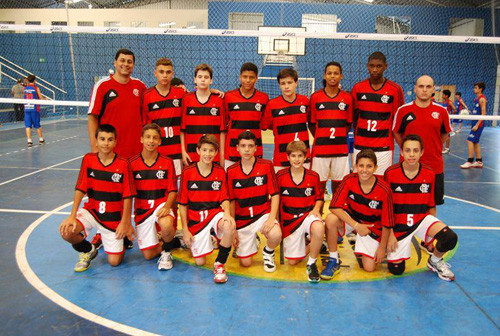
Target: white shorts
[202,244]
[278,168]
[294,246]
[365,245]
[384,161]
[109,241]
[403,251]
[228,163]
[178,167]
[247,246]
[334,168]
[147,236]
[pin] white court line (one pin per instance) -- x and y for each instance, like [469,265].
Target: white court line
[484,166]
[38,171]
[475,227]
[34,146]
[36,211]
[35,168]
[473,203]
[24,267]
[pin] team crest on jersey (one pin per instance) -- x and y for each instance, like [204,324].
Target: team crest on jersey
[342,106]
[213,111]
[160,174]
[308,191]
[175,102]
[424,188]
[302,108]
[435,115]
[116,177]
[258,107]
[259,180]
[385,99]
[373,204]
[216,185]
[136,92]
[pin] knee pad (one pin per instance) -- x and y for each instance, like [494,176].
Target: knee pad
[446,240]
[397,269]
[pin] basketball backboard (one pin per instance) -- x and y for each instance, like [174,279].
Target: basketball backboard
[284,44]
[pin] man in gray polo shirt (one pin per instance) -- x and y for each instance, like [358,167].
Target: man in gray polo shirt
[18,92]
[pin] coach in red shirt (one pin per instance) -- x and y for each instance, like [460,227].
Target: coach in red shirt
[116,100]
[430,121]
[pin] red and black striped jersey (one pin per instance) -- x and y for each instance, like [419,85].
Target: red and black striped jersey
[199,119]
[412,197]
[251,191]
[203,195]
[106,188]
[165,111]
[243,114]
[374,207]
[152,184]
[375,110]
[297,200]
[289,123]
[333,119]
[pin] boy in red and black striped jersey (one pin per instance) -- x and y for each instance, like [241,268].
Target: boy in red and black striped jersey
[161,104]
[412,185]
[363,203]
[376,101]
[156,185]
[331,119]
[107,181]
[254,195]
[202,113]
[301,200]
[244,110]
[288,116]
[204,206]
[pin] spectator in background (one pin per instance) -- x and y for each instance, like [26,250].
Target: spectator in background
[17,92]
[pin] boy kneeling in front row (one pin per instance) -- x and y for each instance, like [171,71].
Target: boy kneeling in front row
[412,186]
[204,206]
[107,181]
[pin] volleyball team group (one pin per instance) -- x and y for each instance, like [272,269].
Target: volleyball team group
[142,140]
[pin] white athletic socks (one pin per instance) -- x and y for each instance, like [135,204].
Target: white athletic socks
[334,255]
[311,261]
[435,259]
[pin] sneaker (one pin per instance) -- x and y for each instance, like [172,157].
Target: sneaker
[165,262]
[477,164]
[178,234]
[324,248]
[445,151]
[30,143]
[97,241]
[84,260]
[442,268]
[42,141]
[332,268]
[312,273]
[269,264]
[127,243]
[452,133]
[220,275]
[466,165]
[429,248]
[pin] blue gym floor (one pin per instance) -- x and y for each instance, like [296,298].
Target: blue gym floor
[41,295]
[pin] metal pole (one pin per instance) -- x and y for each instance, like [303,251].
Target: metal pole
[73,61]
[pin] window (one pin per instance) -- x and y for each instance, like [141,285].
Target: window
[195,25]
[320,23]
[112,23]
[85,23]
[137,24]
[466,27]
[245,21]
[393,24]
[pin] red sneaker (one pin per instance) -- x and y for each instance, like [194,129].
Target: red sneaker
[97,241]
[220,275]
